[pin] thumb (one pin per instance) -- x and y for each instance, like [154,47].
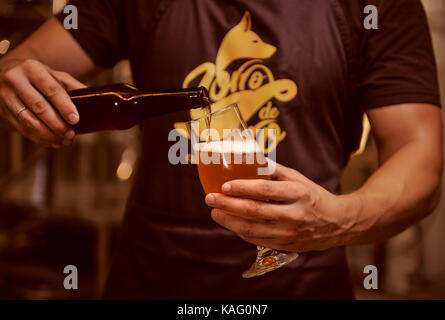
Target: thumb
[66,80]
[282,173]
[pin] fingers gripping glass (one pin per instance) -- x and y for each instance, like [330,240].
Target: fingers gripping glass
[224,150]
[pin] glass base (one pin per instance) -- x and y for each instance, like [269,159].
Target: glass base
[268,260]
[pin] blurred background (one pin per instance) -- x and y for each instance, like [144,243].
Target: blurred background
[64,207]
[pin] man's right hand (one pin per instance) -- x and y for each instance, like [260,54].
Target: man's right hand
[33,100]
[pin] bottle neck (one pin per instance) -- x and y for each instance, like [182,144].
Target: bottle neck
[167,101]
[118,90]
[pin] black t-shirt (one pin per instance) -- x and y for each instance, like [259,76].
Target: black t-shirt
[306,68]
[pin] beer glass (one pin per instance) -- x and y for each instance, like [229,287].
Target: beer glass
[224,149]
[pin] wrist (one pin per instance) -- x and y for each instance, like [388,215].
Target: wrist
[7,63]
[351,211]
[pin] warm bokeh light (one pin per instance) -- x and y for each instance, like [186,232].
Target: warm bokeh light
[124,171]
[129,156]
[4,46]
[58,5]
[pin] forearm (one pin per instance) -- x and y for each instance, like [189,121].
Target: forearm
[53,46]
[402,191]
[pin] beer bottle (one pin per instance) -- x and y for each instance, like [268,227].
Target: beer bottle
[121,106]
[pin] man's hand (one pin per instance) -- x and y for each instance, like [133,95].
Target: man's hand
[33,98]
[289,212]
[30,94]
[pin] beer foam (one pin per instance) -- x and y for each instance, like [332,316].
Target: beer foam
[236,147]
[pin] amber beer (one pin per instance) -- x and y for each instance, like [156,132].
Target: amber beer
[222,161]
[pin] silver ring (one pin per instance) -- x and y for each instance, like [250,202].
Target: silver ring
[20,111]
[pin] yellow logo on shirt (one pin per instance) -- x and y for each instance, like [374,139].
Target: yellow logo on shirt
[252,86]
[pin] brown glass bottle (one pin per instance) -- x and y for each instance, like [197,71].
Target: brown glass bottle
[121,106]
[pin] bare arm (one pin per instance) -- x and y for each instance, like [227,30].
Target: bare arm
[55,47]
[406,187]
[305,216]
[36,76]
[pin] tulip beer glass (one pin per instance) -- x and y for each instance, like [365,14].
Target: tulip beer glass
[224,150]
